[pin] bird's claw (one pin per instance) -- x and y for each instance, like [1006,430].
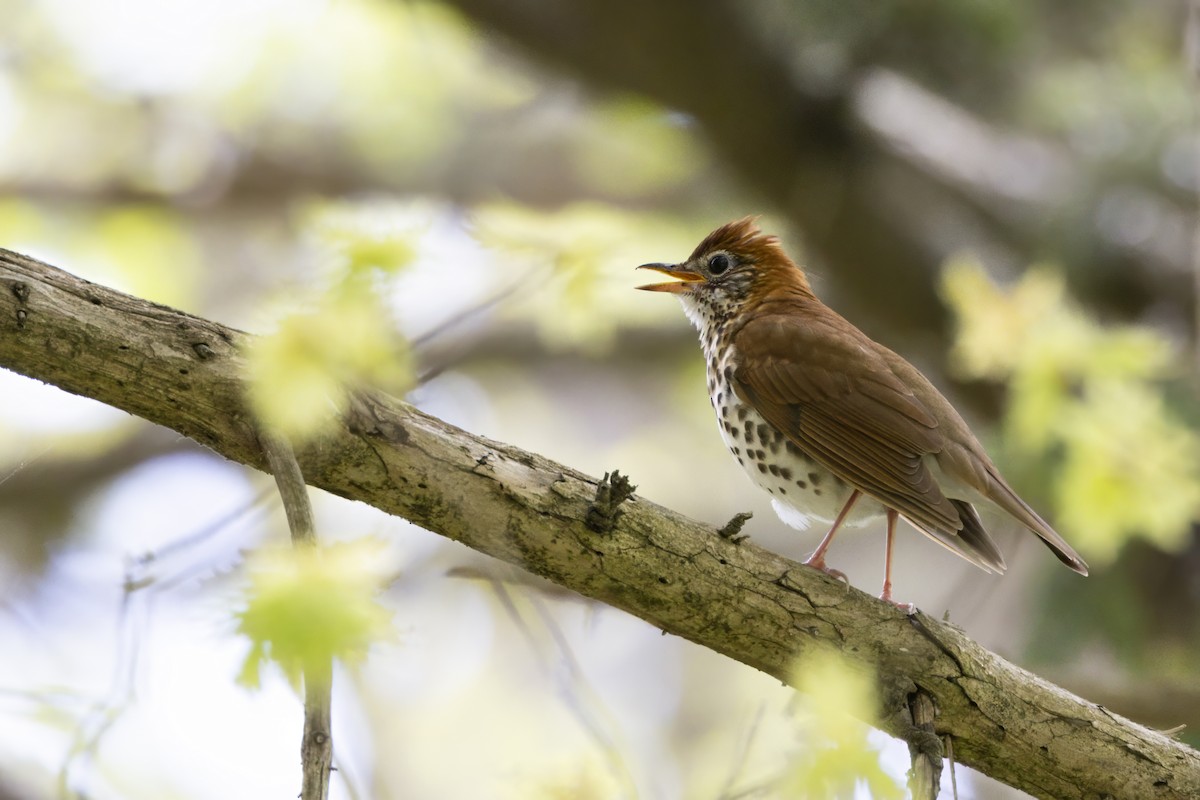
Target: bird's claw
[886,596]
[909,609]
[819,564]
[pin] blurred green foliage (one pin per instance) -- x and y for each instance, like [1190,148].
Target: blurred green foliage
[1087,398]
[299,378]
[144,249]
[578,266]
[307,606]
[653,150]
[834,756]
[189,185]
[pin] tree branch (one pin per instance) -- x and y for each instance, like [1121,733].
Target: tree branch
[754,606]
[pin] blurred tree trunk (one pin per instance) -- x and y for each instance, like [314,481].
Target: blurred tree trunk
[884,180]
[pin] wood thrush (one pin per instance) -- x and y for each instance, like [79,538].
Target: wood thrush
[835,426]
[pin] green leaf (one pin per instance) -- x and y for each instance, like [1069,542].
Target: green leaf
[581,262]
[1084,402]
[834,756]
[308,606]
[299,378]
[1130,468]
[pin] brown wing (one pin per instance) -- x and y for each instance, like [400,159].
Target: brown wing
[826,386]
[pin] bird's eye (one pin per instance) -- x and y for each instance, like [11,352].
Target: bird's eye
[718,263]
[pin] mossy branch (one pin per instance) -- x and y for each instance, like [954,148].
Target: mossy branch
[184,372]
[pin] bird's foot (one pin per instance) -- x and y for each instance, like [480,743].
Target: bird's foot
[909,609]
[886,596]
[818,563]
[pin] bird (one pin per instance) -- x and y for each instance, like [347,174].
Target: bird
[835,426]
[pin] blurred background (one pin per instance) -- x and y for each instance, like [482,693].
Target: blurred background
[1003,192]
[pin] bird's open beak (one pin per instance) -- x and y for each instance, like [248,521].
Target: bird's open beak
[675,287]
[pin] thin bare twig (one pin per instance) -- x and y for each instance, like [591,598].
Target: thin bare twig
[316,746]
[465,315]
[949,740]
[573,684]
[738,763]
[139,590]
[96,723]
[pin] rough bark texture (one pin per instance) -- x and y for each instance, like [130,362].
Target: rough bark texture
[754,606]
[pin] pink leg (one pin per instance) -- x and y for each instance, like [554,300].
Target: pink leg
[817,559]
[886,594]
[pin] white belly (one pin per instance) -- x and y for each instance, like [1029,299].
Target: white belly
[801,489]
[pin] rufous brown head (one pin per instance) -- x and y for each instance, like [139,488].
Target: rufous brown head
[732,265]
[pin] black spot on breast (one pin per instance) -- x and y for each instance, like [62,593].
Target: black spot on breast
[728,373]
[817,492]
[735,450]
[760,455]
[782,490]
[774,470]
[749,431]
[785,473]
[762,467]
[733,432]
[802,484]
[794,450]
[742,411]
[724,411]
[814,477]
[764,434]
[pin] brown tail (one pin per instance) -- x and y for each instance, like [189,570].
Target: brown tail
[1003,496]
[970,541]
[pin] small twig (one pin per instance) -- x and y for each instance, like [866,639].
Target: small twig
[925,748]
[949,740]
[138,586]
[316,748]
[743,755]
[100,719]
[459,318]
[613,489]
[581,699]
[733,529]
